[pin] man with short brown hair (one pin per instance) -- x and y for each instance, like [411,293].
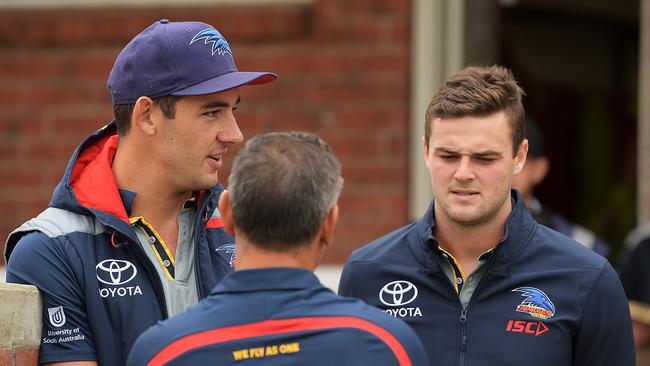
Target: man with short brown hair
[477,278]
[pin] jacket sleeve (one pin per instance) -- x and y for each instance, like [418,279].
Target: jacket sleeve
[346,281]
[605,333]
[145,347]
[43,262]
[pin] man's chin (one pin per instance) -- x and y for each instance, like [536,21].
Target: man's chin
[464,218]
[206,183]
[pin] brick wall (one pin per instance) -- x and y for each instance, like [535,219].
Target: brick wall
[344,74]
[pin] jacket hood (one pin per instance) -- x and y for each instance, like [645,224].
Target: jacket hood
[88,186]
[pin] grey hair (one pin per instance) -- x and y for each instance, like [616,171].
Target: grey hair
[282,186]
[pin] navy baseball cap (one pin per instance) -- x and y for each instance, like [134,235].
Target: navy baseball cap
[177,58]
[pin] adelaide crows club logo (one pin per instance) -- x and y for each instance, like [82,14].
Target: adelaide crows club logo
[229,249]
[536,303]
[211,35]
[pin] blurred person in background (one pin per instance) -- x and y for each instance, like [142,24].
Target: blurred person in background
[272,310]
[535,170]
[132,234]
[635,275]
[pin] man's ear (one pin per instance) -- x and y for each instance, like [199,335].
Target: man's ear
[226,213]
[329,224]
[425,145]
[141,118]
[520,157]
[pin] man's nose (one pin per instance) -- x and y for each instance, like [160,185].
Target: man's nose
[231,132]
[464,171]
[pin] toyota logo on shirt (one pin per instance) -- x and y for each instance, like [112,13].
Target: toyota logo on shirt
[115,271]
[398,293]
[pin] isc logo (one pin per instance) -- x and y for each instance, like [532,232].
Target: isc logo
[521,326]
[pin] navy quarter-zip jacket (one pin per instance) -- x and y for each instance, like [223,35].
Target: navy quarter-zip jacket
[543,300]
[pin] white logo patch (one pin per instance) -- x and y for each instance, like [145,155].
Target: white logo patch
[398,293]
[57,316]
[115,271]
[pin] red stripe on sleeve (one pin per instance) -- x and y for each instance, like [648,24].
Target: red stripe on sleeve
[215,223]
[272,327]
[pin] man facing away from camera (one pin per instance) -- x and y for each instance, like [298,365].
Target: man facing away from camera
[132,234]
[272,310]
[477,278]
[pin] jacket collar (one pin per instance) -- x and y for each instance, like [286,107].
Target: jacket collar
[518,230]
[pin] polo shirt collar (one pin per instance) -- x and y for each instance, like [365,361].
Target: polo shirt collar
[267,279]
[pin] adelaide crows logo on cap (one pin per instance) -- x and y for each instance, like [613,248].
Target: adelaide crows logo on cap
[537,303]
[211,35]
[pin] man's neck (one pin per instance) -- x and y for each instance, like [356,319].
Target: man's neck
[250,256]
[468,242]
[155,199]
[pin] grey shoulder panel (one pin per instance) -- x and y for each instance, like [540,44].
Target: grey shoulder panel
[54,222]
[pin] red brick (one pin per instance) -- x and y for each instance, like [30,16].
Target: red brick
[369,173]
[327,60]
[376,7]
[50,93]
[362,146]
[393,115]
[26,356]
[24,179]
[8,152]
[6,357]
[346,90]
[81,126]
[9,95]
[19,123]
[74,31]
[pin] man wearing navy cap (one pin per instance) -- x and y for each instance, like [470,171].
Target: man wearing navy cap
[272,310]
[132,234]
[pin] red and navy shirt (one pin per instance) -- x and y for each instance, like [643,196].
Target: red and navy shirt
[278,316]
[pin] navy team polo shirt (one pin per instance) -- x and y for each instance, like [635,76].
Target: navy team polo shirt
[278,316]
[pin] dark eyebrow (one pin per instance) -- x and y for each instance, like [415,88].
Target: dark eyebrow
[445,150]
[219,104]
[488,153]
[480,154]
